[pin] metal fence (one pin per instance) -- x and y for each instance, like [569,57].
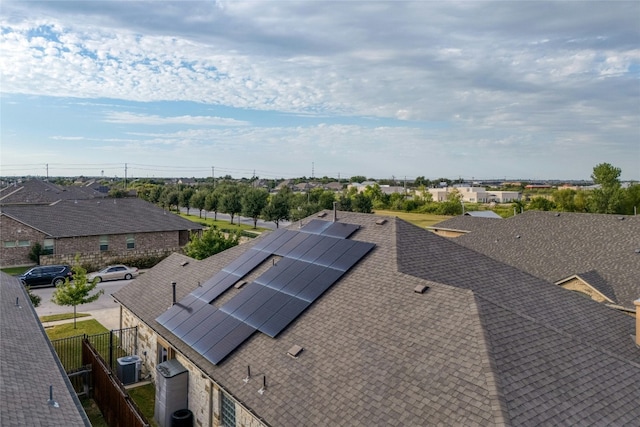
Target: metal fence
[110,345]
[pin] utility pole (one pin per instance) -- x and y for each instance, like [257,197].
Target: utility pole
[213,175]
[313,166]
[47,165]
[125,177]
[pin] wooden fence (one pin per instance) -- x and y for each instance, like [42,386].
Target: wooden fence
[117,408]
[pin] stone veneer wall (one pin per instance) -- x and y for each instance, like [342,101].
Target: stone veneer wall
[204,393]
[100,259]
[14,231]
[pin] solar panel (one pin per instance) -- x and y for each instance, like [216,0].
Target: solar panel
[315,226]
[305,246]
[178,312]
[291,244]
[337,250]
[263,243]
[340,229]
[352,256]
[280,319]
[312,261]
[194,335]
[196,318]
[231,341]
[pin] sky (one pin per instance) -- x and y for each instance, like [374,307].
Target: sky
[280,89]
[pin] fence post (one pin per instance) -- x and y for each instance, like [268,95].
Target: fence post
[111,350]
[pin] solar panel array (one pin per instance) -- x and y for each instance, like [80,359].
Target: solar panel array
[313,259]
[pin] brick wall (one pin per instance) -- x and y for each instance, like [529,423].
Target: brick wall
[99,259]
[14,231]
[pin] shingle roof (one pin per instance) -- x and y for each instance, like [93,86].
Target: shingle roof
[97,217]
[36,191]
[29,366]
[555,246]
[487,345]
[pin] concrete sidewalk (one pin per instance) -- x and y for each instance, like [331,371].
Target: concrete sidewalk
[109,318]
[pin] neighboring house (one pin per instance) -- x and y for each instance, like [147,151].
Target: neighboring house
[416,330]
[98,229]
[36,191]
[596,254]
[31,371]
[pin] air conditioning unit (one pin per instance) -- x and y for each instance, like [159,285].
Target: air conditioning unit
[129,369]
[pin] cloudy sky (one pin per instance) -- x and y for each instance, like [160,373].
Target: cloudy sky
[383,89]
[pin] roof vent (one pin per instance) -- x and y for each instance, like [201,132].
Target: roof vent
[295,351]
[517,236]
[621,218]
[322,214]
[381,221]
[420,289]
[558,214]
[239,284]
[183,263]
[638,251]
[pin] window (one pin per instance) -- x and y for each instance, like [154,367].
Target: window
[228,411]
[47,247]
[104,243]
[165,352]
[131,242]
[9,244]
[24,243]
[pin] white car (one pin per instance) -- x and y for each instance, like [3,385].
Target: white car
[113,272]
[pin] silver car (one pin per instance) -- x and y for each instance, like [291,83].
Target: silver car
[113,272]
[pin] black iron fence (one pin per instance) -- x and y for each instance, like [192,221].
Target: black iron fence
[110,345]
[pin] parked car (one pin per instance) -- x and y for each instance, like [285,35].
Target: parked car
[46,275]
[114,272]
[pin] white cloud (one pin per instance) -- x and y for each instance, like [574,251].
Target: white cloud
[145,119]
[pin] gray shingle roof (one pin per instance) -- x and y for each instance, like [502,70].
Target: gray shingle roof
[36,191]
[28,366]
[555,246]
[69,218]
[487,345]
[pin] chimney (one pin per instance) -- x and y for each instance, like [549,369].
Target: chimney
[637,304]
[173,285]
[335,211]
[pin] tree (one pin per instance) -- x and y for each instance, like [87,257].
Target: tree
[198,201]
[608,198]
[362,203]
[254,200]
[211,242]
[358,178]
[76,292]
[35,299]
[171,198]
[212,203]
[279,207]
[565,200]
[631,200]
[231,201]
[35,252]
[185,198]
[541,204]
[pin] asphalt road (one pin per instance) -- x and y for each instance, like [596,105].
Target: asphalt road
[105,301]
[236,218]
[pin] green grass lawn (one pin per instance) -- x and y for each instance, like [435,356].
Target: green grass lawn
[209,222]
[62,316]
[89,327]
[144,397]
[419,219]
[15,271]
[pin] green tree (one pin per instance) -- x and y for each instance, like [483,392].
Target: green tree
[362,203]
[212,203]
[565,199]
[231,201]
[608,198]
[254,200]
[35,299]
[279,207]
[171,198]
[345,202]
[35,252]
[211,242]
[358,178]
[541,204]
[198,201]
[184,198]
[77,291]
[631,200]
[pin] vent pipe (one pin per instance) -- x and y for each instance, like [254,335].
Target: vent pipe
[637,304]
[335,211]
[173,285]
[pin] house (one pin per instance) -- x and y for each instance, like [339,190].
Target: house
[34,389]
[36,191]
[98,229]
[416,329]
[596,254]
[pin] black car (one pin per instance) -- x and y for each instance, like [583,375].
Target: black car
[46,275]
